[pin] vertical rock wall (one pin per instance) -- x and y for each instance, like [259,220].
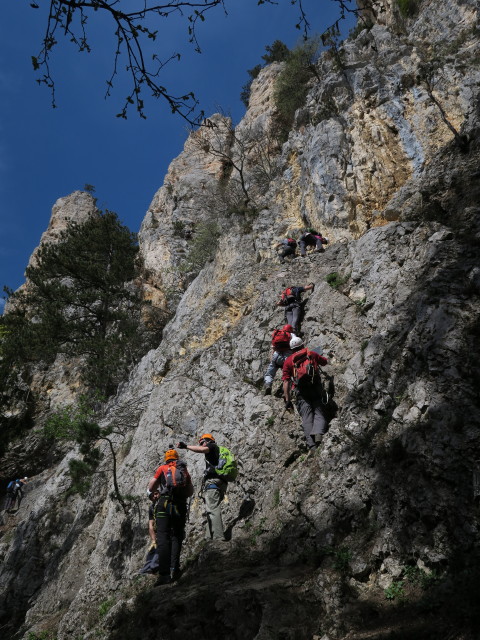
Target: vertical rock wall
[316,538]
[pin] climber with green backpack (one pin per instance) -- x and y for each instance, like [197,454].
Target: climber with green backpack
[221,468]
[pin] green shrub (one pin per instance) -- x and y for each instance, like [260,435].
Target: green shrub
[341,557]
[395,590]
[276,52]
[335,280]
[178,228]
[408,8]
[246,89]
[203,247]
[42,635]
[276,497]
[291,87]
[105,606]
[418,576]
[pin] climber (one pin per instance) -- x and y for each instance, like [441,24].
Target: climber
[291,299]
[301,374]
[14,493]
[214,487]
[151,561]
[20,485]
[311,239]
[170,513]
[289,248]
[279,353]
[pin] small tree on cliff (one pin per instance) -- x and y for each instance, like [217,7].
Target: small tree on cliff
[80,301]
[80,423]
[246,159]
[276,52]
[291,86]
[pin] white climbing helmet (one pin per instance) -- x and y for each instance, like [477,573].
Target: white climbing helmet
[296,342]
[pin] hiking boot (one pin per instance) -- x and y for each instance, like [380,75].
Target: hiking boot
[175,574]
[162,579]
[268,390]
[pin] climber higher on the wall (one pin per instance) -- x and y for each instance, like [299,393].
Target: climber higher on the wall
[170,513]
[14,493]
[301,374]
[214,486]
[280,351]
[291,299]
[311,239]
[288,248]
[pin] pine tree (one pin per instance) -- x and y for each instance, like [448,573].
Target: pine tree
[79,300]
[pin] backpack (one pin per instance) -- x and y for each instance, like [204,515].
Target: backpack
[281,339]
[226,468]
[178,483]
[305,371]
[292,242]
[11,486]
[287,296]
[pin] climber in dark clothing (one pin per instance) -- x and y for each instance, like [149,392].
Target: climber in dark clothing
[311,239]
[170,513]
[15,493]
[291,299]
[214,487]
[301,374]
[289,248]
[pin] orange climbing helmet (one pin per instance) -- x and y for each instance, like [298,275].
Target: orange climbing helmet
[171,454]
[206,436]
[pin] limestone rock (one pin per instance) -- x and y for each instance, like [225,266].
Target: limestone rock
[316,537]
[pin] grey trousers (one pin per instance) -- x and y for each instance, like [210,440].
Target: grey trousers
[292,315]
[214,492]
[313,420]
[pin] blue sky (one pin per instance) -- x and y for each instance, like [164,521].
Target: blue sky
[47,153]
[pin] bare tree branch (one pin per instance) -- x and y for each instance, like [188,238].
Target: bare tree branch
[69,19]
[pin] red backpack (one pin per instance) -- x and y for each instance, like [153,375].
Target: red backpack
[305,370]
[287,296]
[292,242]
[178,482]
[281,339]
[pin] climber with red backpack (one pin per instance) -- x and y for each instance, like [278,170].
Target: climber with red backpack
[291,299]
[174,484]
[311,239]
[301,374]
[289,248]
[221,468]
[280,352]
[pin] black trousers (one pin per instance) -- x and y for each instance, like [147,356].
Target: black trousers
[170,521]
[287,251]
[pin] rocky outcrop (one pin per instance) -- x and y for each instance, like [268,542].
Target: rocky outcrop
[78,207]
[324,544]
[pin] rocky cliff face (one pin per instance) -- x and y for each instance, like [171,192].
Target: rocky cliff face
[383,159]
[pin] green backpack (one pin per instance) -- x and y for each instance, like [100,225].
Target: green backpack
[227,465]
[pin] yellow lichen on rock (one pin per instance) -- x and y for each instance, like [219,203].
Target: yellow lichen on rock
[223,321]
[289,197]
